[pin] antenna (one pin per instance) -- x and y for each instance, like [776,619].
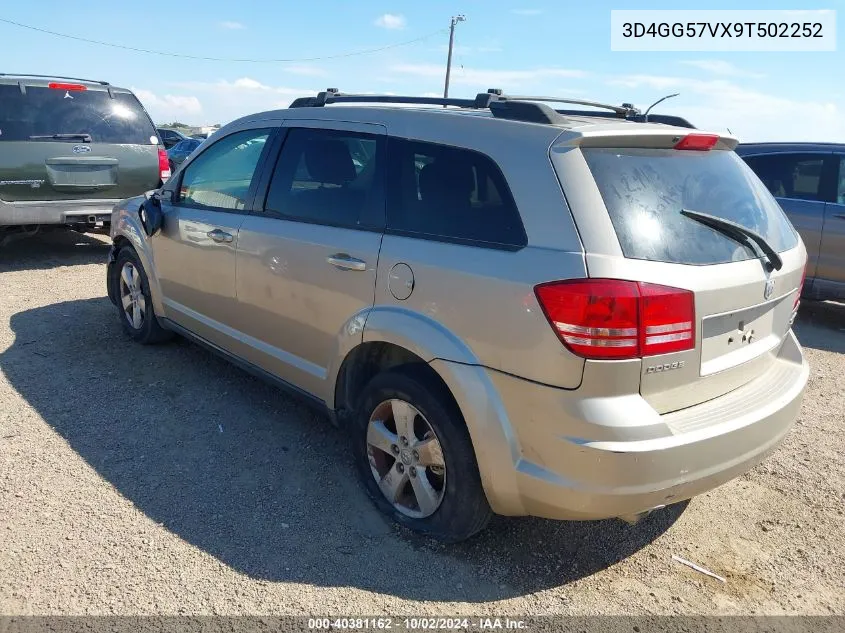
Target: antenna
[659,101]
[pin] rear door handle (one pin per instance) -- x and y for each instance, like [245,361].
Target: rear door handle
[220,236]
[841,216]
[345,262]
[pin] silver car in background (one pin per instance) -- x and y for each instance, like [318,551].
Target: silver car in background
[507,309]
[808,180]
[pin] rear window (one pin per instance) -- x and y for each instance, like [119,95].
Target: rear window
[645,190]
[45,111]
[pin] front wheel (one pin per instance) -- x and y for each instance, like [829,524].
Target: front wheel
[134,303]
[416,457]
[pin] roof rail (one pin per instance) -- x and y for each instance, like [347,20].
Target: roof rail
[333,95]
[502,106]
[90,81]
[625,110]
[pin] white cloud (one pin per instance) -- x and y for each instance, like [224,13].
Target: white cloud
[232,26]
[751,115]
[488,78]
[246,82]
[170,107]
[391,21]
[228,100]
[527,11]
[721,67]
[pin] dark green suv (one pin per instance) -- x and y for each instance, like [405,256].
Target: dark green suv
[70,149]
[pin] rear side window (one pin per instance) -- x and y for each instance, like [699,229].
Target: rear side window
[44,111]
[329,177]
[221,176]
[645,190]
[796,176]
[450,194]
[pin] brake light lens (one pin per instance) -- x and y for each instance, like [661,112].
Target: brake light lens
[614,319]
[667,316]
[61,86]
[163,164]
[698,142]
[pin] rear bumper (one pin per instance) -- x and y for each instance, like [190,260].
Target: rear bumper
[566,467]
[55,212]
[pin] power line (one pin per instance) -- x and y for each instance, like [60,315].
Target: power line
[224,59]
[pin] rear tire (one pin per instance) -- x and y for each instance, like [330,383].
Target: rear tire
[134,303]
[410,442]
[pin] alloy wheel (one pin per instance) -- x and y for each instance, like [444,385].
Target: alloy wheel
[132,296]
[406,458]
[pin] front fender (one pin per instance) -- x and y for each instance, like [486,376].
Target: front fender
[126,223]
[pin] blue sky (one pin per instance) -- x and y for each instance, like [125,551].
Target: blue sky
[557,48]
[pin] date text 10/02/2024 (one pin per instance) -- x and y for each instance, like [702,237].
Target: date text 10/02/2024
[415,624]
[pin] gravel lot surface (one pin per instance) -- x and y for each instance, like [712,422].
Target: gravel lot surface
[162,480]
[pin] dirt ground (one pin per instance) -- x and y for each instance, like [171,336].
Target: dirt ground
[161,480]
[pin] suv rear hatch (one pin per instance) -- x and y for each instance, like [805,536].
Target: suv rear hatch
[678,216]
[72,141]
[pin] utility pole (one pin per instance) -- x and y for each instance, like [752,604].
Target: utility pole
[455,20]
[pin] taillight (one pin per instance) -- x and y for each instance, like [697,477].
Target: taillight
[616,319]
[163,164]
[667,316]
[61,86]
[698,142]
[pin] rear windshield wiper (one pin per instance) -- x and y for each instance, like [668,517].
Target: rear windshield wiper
[736,232]
[85,138]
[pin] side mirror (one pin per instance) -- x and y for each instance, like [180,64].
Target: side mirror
[151,214]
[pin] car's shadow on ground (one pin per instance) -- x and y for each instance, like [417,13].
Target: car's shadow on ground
[243,472]
[53,248]
[821,325]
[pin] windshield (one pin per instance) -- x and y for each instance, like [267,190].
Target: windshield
[45,112]
[645,190]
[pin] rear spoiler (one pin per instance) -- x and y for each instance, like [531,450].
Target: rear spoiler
[646,137]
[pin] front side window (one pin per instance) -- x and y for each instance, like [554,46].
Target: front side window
[451,194]
[221,176]
[328,177]
[797,176]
